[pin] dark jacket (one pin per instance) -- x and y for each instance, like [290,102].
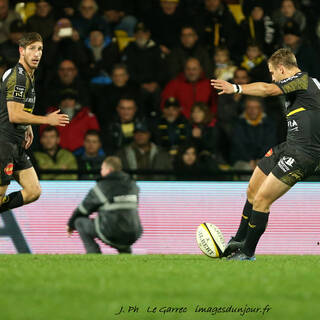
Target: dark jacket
[106,98]
[144,64]
[179,55]
[156,159]
[172,134]
[86,163]
[263,31]
[165,29]
[209,137]
[42,25]
[115,198]
[113,138]
[219,28]
[252,142]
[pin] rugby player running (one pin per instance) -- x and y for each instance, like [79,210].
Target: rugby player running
[17,101]
[287,163]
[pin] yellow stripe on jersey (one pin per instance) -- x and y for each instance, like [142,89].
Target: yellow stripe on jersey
[295,111]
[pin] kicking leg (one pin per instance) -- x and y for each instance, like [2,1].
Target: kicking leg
[87,232]
[270,191]
[256,180]
[30,192]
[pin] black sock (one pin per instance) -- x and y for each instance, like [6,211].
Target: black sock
[256,228]
[11,201]
[246,215]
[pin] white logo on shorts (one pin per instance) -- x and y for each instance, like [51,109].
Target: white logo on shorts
[286,163]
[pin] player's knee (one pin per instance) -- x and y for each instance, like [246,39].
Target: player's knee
[261,203]
[33,193]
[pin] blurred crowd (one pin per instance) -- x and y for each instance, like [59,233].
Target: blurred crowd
[133,76]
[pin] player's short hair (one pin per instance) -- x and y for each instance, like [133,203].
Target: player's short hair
[49,129]
[285,57]
[113,162]
[29,38]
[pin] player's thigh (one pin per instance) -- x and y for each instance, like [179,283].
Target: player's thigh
[256,180]
[271,189]
[28,180]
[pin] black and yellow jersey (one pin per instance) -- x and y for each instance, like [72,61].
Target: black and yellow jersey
[17,86]
[303,112]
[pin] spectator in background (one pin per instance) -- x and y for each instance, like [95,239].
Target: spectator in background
[254,134]
[103,53]
[117,19]
[81,120]
[165,23]
[289,12]
[306,56]
[106,98]
[6,18]
[256,63]
[143,58]
[91,155]
[223,67]
[205,133]
[120,131]
[229,109]
[259,27]
[172,128]
[43,20]
[189,46]
[187,164]
[269,6]
[88,19]
[144,154]
[67,77]
[65,44]
[189,87]
[10,48]
[52,156]
[217,26]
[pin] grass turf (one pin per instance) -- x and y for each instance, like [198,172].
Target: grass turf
[95,287]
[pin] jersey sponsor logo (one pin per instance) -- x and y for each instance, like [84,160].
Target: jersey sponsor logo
[20,71]
[293,126]
[19,91]
[286,163]
[8,170]
[290,78]
[269,153]
[31,100]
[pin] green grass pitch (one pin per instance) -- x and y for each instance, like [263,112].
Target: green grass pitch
[93,287]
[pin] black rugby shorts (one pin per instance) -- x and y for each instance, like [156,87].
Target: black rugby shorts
[12,158]
[288,164]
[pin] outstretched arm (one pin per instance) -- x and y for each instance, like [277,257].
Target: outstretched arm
[18,115]
[261,89]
